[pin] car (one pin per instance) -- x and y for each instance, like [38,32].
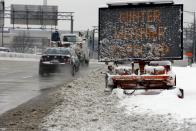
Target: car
[4,49]
[78,44]
[57,59]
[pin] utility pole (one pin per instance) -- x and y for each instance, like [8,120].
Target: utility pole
[194,41]
[194,36]
[72,23]
[2,28]
[44,4]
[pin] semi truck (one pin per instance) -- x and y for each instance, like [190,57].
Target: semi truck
[147,36]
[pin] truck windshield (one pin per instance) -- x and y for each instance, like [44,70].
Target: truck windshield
[69,39]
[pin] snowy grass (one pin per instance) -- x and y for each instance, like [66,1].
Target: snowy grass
[166,101]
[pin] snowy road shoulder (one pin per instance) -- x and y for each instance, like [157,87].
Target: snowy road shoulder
[86,107]
[166,102]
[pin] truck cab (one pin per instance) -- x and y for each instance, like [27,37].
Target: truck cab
[79,44]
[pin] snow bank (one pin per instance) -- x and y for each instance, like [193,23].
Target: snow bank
[193,65]
[167,102]
[18,56]
[18,59]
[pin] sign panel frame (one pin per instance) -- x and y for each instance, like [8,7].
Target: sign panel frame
[2,11]
[34,14]
[120,36]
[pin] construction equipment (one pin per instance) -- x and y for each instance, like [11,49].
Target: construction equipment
[147,36]
[149,75]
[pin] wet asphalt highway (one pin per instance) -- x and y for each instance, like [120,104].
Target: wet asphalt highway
[20,82]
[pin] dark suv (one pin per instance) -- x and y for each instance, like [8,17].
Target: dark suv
[59,59]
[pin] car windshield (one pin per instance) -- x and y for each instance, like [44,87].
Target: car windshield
[69,38]
[58,51]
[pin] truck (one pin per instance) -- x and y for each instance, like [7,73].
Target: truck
[78,43]
[147,36]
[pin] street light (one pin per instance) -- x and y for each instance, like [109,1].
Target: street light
[194,40]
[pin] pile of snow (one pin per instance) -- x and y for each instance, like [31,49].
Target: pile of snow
[193,65]
[153,69]
[166,101]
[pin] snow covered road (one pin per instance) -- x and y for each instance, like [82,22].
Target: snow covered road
[86,107]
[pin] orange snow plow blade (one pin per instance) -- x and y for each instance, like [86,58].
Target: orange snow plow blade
[142,82]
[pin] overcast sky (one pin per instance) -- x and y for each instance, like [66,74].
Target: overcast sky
[86,11]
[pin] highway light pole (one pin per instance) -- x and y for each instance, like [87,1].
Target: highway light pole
[2,26]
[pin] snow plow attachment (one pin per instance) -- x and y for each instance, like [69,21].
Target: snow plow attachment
[150,75]
[144,82]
